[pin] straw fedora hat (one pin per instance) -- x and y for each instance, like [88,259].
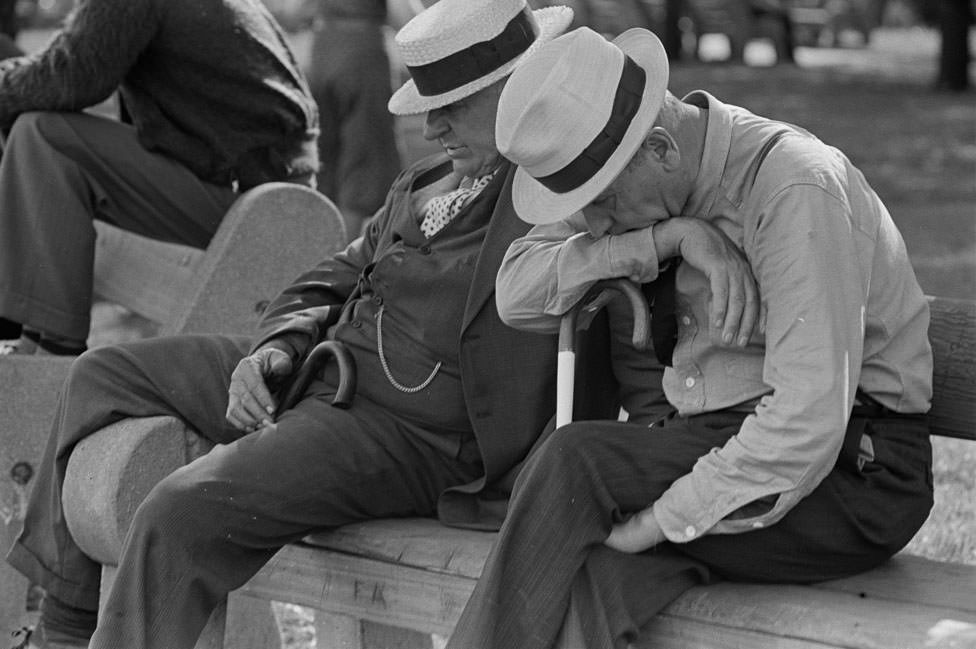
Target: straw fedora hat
[574,114]
[457,47]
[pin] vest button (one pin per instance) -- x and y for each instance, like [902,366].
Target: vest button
[425,249]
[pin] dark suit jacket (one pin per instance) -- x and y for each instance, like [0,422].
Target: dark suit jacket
[508,376]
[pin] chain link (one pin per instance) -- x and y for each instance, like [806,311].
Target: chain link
[386,368]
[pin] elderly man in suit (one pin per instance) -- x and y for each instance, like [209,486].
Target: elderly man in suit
[449,399]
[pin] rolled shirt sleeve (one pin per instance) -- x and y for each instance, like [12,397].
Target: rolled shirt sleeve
[546,272]
[807,259]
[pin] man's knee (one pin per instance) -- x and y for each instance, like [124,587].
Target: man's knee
[179,509]
[92,366]
[565,455]
[34,126]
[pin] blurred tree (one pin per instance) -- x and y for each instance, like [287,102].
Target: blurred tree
[671,31]
[955,19]
[9,24]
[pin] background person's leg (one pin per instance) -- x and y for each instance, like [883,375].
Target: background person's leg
[349,77]
[59,171]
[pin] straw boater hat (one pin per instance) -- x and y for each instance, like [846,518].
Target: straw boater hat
[457,47]
[573,116]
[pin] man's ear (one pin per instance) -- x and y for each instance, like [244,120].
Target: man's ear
[663,148]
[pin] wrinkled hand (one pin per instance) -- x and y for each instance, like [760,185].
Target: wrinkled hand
[636,534]
[250,405]
[736,308]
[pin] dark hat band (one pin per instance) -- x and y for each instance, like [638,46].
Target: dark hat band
[626,103]
[476,61]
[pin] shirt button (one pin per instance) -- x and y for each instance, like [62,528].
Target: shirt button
[377,300]
[425,250]
[685,320]
[689,382]
[690,531]
[355,324]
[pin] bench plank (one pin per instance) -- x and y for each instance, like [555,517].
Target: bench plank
[419,542]
[833,618]
[366,589]
[911,579]
[677,633]
[749,615]
[952,332]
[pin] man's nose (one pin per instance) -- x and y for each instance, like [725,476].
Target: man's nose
[434,125]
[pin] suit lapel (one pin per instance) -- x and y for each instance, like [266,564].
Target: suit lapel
[504,227]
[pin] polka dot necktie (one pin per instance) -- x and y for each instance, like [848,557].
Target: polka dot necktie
[441,210]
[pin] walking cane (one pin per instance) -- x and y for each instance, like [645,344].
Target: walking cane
[312,367]
[595,299]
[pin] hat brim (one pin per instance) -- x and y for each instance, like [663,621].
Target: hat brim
[552,22]
[536,204]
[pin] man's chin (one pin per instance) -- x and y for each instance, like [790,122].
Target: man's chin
[462,168]
[466,167]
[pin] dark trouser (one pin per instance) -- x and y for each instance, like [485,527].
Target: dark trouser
[59,172]
[349,76]
[208,527]
[588,475]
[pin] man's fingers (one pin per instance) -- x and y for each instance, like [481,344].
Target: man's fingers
[249,402]
[630,536]
[234,419]
[750,314]
[624,537]
[735,308]
[720,299]
[733,329]
[254,408]
[245,412]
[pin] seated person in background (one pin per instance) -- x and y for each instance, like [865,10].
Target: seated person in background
[795,454]
[215,104]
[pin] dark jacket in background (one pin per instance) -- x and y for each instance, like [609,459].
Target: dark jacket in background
[210,83]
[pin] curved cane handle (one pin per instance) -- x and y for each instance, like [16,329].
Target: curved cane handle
[641,336]
[566,358]
[312,367]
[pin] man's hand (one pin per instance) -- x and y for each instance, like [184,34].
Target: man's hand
[736,309]
[251,406]
[636,534]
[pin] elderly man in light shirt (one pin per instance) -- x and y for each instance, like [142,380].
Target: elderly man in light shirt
[798,452]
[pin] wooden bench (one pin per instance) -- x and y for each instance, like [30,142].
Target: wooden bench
[398,583]
[270,234]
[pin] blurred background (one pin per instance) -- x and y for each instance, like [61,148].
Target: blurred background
[872,77]
[887,81]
